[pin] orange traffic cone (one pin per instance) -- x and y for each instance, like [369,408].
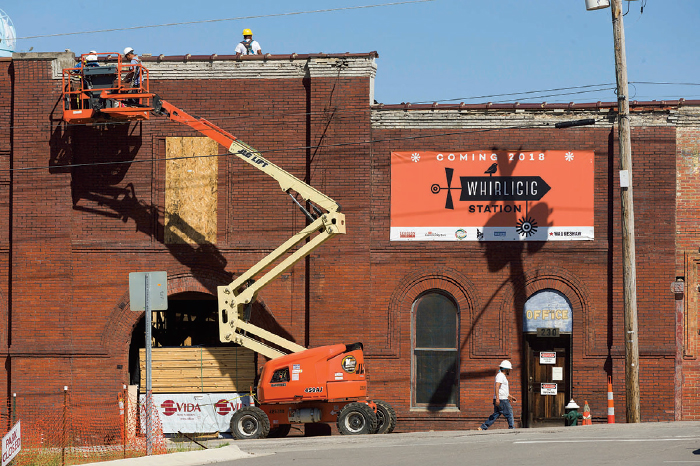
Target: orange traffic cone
[611,405]
[586,415]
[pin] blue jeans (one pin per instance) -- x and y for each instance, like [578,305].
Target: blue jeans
[502,408]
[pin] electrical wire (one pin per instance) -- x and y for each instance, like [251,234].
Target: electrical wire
[360,112]
[272,15]
[519,93]
[287,149]
[665,83]
[348,113]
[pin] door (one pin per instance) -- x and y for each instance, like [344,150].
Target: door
[548,386]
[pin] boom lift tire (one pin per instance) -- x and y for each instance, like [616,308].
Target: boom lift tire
[279,431]
[250,422]
[386,417]
[356,419]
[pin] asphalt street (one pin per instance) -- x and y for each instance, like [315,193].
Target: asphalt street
[638,444]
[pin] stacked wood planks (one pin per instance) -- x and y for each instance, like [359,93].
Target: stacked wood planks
[199,370]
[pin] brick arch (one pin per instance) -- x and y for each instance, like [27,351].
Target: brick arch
[117,332]
[413,285]
[563,281]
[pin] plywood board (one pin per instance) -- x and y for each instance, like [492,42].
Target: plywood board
[191,190]
[197,369]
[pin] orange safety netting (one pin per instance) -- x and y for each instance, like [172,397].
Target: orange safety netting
[58,430]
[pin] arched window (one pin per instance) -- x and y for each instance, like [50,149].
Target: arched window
[435,351]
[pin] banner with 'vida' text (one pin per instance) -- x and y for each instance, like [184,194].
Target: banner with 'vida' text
[483,195]
[196,412]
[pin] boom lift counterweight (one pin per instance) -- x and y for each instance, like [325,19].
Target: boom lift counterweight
[297,385]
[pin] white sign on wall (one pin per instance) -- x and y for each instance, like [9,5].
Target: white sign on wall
[548,357]
[11,444]
[196,412]
[548,389]
[557,373]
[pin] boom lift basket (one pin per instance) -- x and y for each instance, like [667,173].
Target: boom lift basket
[100,89]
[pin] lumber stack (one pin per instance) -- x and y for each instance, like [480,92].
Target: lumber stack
[199,370]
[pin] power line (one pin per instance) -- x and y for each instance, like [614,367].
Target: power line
[286,149]
[272,15]
[664,83]
[351,112]
[520,93]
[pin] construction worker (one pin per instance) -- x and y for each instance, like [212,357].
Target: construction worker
[501,397]
[91,59]
[248,46]
[133,76]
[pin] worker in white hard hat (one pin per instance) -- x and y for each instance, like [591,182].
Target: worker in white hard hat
[248,46]
[501,397]
[91,59]
[134,75]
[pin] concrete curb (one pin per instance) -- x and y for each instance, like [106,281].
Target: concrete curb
[185,458]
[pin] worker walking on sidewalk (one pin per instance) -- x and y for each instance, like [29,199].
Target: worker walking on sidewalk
[501,398]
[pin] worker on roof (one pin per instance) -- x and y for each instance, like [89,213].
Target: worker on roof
[133,76]
[248,46]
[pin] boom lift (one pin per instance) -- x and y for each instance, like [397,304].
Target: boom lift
[297,385]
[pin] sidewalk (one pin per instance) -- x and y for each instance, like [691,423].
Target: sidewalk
[185,458]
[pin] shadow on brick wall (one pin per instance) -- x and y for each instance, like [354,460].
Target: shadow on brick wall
[99,159]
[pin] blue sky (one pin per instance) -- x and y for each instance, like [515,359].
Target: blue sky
[432,51]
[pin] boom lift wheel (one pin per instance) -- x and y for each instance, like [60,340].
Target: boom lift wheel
[386,417]
[357,418]
[250,422]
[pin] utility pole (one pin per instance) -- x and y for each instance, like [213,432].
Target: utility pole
[629,271]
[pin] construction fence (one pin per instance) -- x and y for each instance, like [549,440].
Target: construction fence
[60,429]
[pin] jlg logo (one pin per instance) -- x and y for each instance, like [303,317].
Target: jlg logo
[253,158]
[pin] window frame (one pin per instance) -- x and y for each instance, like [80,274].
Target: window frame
[414,349]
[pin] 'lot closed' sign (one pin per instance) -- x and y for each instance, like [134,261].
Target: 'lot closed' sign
[11,444]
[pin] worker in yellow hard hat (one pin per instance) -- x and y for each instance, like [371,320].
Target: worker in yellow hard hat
[248,46]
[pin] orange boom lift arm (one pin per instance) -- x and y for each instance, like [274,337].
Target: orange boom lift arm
[236,298]
[297,385]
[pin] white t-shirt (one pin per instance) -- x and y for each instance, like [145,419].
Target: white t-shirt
[503,390]
[240,48]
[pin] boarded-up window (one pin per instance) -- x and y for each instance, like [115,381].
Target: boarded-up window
[191,190]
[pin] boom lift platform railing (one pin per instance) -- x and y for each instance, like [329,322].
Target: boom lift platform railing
[100,89]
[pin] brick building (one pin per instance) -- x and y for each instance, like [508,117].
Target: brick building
[71,235]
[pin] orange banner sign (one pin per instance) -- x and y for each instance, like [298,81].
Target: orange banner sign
[492,195]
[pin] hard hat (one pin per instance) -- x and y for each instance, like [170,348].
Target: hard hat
[506,364]
[247,32]
[572,405]
[93,51]
[128,50]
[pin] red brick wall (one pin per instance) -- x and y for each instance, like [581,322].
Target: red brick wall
[499,277]
[5,178]
[687,260]
[78,232]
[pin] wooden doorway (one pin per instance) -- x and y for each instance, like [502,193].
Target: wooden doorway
[548,365]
